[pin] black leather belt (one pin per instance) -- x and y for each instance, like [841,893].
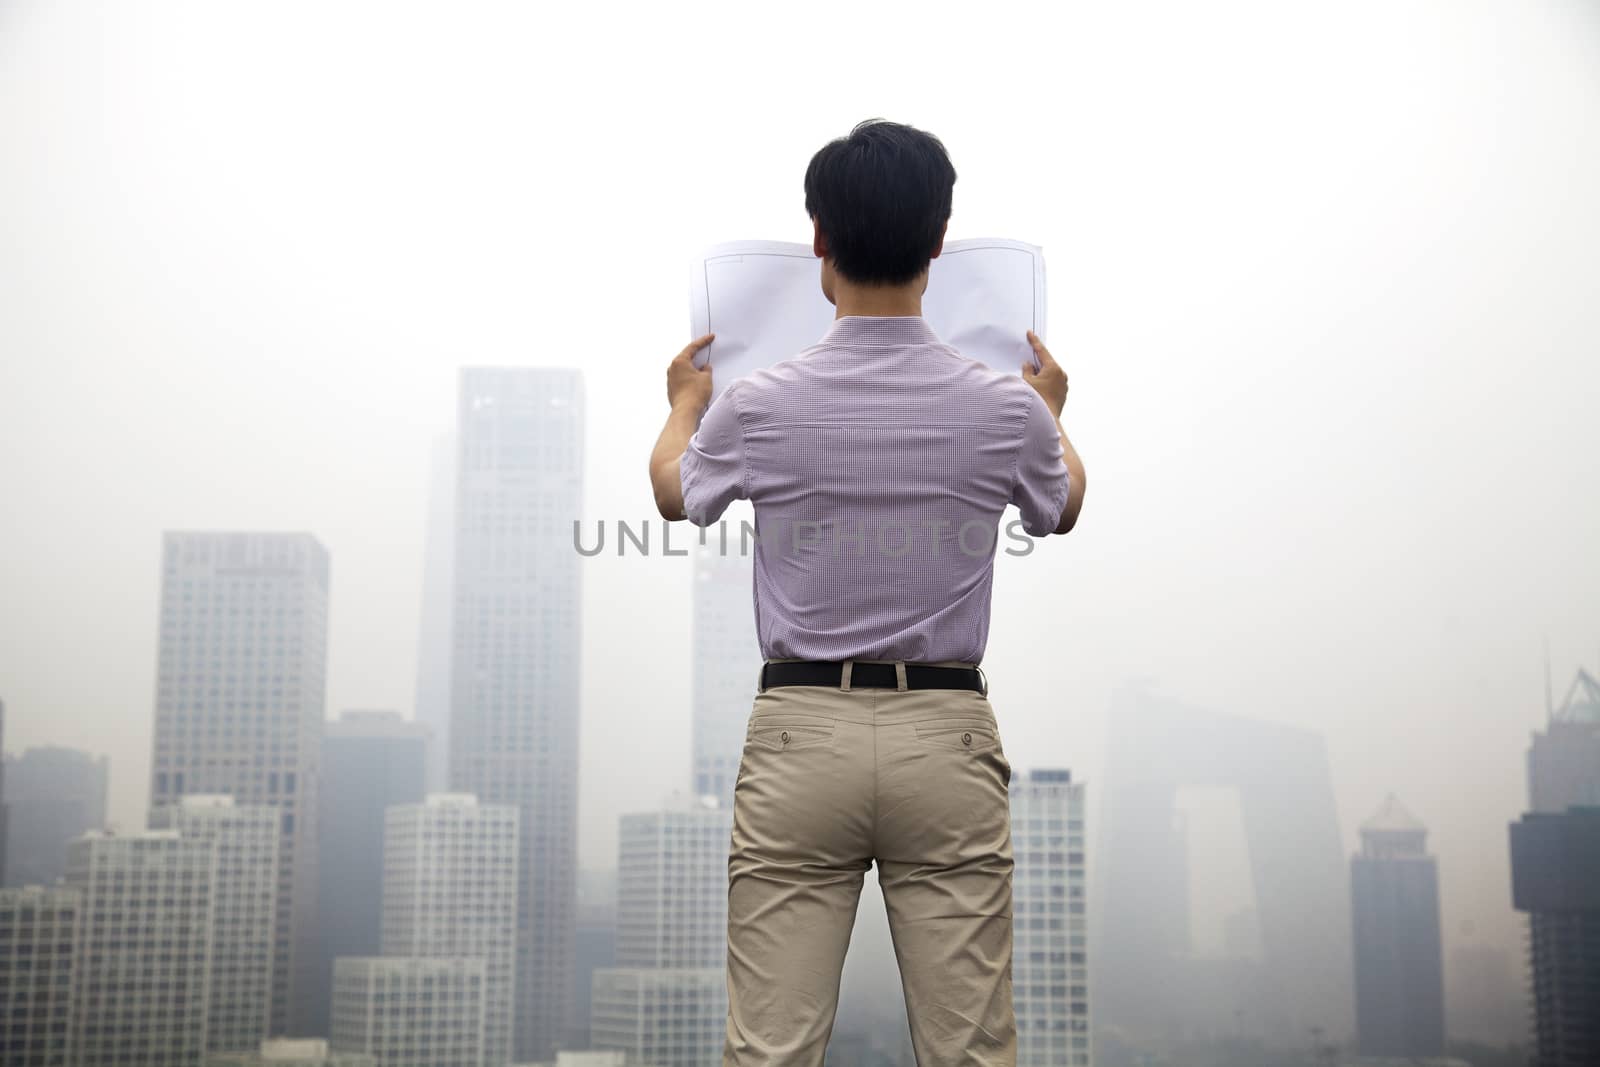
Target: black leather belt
[871,675]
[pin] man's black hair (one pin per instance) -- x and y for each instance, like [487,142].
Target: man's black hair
[881,197]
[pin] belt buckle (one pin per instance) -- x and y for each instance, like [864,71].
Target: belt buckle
[984,678]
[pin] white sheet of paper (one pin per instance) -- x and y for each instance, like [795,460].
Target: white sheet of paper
[763,300]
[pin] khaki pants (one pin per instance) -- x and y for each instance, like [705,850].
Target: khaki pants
[830,781]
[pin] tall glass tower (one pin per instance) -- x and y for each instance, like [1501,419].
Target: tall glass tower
[515,625]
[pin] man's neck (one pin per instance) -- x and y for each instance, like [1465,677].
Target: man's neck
[851,299]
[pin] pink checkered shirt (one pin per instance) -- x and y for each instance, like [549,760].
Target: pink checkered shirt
[879,462]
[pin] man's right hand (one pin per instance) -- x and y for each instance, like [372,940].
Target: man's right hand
[1050,380]
[687,385]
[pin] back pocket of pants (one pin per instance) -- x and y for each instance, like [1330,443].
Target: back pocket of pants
[784,733]
[960,735]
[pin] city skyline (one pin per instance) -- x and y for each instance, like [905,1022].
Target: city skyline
[1322,277]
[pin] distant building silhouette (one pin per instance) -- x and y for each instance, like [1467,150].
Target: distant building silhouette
[38,929]
[515,622]
[52,795]
[1486,997]
[240,679]
[1399,972]
[244,840]
[1148,984]
[144,930]
[432,698]
[1050,968]
[1555,878]
[371,760]
[1564,760]
[596,945]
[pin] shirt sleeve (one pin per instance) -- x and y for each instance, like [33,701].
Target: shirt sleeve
[712,470]
[1042,482]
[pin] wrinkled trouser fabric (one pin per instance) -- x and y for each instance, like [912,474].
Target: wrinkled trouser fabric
[831,780]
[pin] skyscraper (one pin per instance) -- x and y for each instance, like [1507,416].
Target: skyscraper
[514,667]
[410,1012]
[38,928]
[727,661]
[1148,981]
[239,706]
[450,892]
[141,961]
[370,761]
[671,948]
[1050,967]
[244,844]
[1555,878]
[52,795]
[1399,969]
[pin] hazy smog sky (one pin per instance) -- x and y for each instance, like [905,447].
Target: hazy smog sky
[1326,281]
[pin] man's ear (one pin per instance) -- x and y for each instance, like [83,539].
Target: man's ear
[940,246]
[819,243]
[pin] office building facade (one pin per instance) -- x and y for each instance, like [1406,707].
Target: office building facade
[140,971]
[665,1000]
[515,623]
[244,841]
[409,1012]
[1555,879]
[1050,961]
[371,760]
[1399,969]
[450,892]
[38,938]
[241,675]
[669,1017]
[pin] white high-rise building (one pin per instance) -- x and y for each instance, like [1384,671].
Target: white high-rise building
[672,886]
[450,892]
[515,622]
[141,968]
[409,1012]
[244,894]
[665,1002]
[727,660]
[239,708]
[38,928]
[1050,971]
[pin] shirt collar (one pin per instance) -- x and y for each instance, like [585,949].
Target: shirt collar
[880,330]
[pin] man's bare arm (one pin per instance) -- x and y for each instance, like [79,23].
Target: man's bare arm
[1051,382]
[688,393]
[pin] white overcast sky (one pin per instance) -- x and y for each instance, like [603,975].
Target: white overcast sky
[1324,278]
